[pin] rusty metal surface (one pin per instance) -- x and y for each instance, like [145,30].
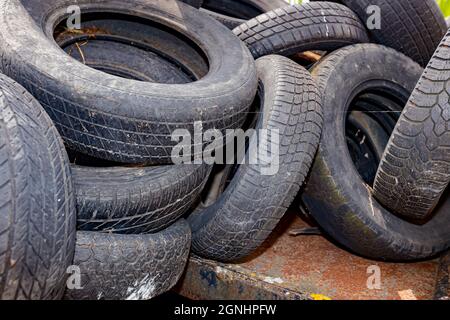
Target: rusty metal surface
[307,267]
[442,291]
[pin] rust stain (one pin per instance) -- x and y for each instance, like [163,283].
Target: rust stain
[308,267]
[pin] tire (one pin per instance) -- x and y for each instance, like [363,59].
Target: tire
[37,215]
[195,3]
[131,267]
[343,204]
[321,26]
[233,13]
[366,141]
[151,41]
[127,62]
[120,119]
[135,200]
[368,129]
[415,169]
[227,21]
[413,27]
[248,210]
[131,200]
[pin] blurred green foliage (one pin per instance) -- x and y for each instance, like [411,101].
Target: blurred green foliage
[445,6]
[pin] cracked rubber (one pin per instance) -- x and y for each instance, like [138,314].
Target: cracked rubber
[413,27]
[37,202]
[130,267]
[135,200]
[335,194]
[233,13]
[289,30]
[415,168]
[120,119]
[252,205]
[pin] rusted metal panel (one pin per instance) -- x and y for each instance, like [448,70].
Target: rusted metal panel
[307,267]
[442,291]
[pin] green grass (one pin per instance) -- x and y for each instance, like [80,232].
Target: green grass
[445,6]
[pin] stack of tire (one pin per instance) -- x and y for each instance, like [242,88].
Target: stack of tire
[89,188]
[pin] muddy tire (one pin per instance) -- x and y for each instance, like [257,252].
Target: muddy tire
[415,169]
[131,267]
[335,193]
[37,216]
[120,119]
[254,202]
[313,26]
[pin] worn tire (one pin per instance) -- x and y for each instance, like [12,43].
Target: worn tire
[335,194]
[119,119]
[37,202]
[149,41]
[322,26]
[415,168]
[127,62]
[135,200]
[233,13]
[195,3]
[368,129]
[132,200]
[131,267]
[252,205]
[413,27]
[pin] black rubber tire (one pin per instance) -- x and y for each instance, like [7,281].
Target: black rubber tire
[321,26]
[37,202]
[233,13]
[366,141]
[252,205]
[135,200]
[131,267]
[132,200]
[227,21]
[149,39]
[335,194]
[127,62]
[195,3]
[413,27]
[415,168]
[119,119]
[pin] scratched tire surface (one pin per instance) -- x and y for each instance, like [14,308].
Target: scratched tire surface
[254,202]
[233,13]
[37,202]
[313,26]
[335,193]
[132,267]
[413,27]
[120,119]
[415,168]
